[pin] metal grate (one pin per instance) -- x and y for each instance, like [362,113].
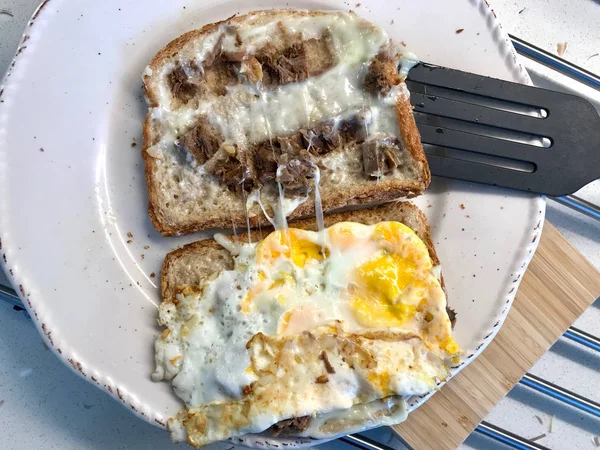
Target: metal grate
[538,384]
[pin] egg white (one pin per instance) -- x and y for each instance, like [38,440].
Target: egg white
[203,349]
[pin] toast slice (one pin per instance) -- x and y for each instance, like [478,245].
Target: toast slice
[276,105]
[195,262]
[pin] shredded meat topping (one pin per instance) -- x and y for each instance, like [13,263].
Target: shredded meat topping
[220,75]
[291,426]
[282,67]
[298,61]
[202,141]
[328,367]
[188,83]
[232,167]
[290,160]
[181,85]
[322,138]
[291,145]
[380,156]
[382,74]
[265,161]
[354,128]
[296,172]
[319,55]
[451,316]
[295,61]
[293,157]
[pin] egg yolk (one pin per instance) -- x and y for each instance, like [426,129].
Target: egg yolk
[377,299]
[292,244]
[387,276]
[386,290]
[382,381]
[450,346]
[381,282]
[373,312]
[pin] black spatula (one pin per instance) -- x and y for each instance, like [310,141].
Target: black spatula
[505,134]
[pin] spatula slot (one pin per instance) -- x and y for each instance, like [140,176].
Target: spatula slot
[486,130]
[444,107]
[479,158]
[435,92]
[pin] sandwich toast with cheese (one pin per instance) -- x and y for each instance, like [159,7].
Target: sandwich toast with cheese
[273,113]
[304,332]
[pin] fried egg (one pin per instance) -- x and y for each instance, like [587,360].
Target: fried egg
[307,323]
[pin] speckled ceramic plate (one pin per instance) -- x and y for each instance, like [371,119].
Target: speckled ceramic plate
[76,240]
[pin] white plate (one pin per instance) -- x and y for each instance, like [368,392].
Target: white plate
[71,184]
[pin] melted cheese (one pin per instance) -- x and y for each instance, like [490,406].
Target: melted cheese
[245,119]
[249,114]
[385,412]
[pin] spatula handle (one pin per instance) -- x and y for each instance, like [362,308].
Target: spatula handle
[580,205]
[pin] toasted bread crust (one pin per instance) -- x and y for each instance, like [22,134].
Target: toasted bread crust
[363,193]
[412,139]
[207,250]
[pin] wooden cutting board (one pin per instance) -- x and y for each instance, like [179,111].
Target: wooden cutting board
[557,288]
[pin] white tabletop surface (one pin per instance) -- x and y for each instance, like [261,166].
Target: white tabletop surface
[45,405]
